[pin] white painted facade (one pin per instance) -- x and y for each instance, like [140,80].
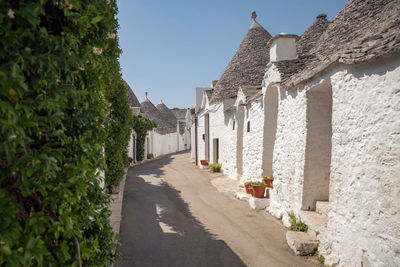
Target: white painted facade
[335,138]
[364,165]
[162,144]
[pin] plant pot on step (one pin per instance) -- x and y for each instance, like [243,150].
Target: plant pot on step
[258,190]
[204,162]
[268,180]
[248,188]
[216,169]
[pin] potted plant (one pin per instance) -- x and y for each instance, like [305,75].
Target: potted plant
[150,156]
[215,167]
[129,162]
[204,162]
[258,189]
[268,180]
[247,185]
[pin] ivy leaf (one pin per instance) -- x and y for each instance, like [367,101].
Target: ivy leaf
[95,20]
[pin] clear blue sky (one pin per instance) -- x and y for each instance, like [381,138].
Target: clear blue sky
[170,47]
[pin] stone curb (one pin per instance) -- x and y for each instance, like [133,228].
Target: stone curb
[116,205]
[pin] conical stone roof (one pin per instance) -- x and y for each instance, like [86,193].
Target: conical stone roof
[310,36]
[361,31]
[151,112]
[167,113]
[132,99]
[247,67]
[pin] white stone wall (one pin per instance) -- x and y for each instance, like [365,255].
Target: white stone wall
[193,141]
[288,158]
[200,141]
[253,142]
[221,128]
[364,217]
[162,144]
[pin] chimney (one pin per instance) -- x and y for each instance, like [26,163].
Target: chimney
[282,47]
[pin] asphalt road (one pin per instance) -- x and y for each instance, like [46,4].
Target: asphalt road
[173,216]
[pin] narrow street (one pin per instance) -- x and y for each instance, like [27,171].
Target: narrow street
[173,216]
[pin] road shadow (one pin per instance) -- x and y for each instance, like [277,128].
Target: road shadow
[158,229]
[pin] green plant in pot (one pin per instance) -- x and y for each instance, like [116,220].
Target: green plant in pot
[150,156]
[258,189]
[268,180]
[215,167]
[248,187]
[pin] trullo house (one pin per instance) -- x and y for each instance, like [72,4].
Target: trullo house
[325,122]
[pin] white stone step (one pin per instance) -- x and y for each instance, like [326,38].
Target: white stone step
[258,203]
[301,243]
[242,196]
[322,207]
[316,222]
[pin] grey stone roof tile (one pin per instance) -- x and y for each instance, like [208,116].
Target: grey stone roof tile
[361,31]
[151,112]
[166,113]
[132,99]
[247,66]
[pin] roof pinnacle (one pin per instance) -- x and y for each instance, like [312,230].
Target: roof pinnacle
[254,15]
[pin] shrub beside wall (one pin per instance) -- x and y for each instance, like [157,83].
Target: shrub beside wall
[141,125]
[119,130]
[55,61]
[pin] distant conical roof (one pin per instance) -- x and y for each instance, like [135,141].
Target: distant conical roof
[132,99]
[247,67]
[151,112]
[167,113]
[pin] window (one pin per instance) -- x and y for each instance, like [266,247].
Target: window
[233,125]
[248,126]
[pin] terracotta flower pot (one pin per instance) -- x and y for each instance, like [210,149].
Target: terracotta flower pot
[248,188]
[204,162]
[216,169]
[258,191]
[269,182]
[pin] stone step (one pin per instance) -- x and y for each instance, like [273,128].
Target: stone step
[258,203]
[242,196]
[316,222]
[322,207]
[301,243]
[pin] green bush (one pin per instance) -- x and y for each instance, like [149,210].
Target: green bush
[141,125]
[119,128]
[150,156]
[55,60]
[295,225]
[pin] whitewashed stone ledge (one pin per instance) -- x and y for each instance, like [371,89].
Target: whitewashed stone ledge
[301,243]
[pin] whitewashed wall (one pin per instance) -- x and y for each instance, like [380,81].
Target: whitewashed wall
[200,141]
[193,141]
[288,162]
[253,142]
[364,217]
[164,144]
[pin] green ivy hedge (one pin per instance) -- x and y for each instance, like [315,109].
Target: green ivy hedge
[55,61]
[119,130]
[141,125]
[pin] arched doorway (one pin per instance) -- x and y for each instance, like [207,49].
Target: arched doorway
[318,145]
[271,102]
[239,141]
